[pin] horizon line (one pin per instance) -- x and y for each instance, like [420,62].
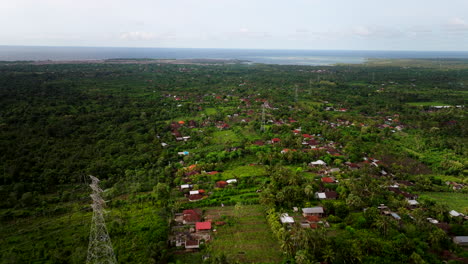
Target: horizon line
[289,49]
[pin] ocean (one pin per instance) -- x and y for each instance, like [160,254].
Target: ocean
[286,57]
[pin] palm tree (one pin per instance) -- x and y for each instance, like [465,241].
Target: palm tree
[436,237]
[309,190]
[383,224]
[287,244]
[328,254]
[302,257]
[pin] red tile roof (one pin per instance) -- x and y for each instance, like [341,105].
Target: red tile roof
[191,216]
[313,218]
[221,184]
[203,226]
[328,180]
[195,197]
[276,140]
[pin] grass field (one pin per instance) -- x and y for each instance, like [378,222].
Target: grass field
[249,239]
[454,201]
[210,111]
[426,104]
[244,171]
[225,136]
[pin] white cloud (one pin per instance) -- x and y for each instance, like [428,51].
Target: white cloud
[362,31]
[247,33]
[137,35]
[456,24]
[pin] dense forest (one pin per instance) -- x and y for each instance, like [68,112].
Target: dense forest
[380,147]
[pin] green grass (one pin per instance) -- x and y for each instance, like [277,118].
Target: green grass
[454,201]
[210,111]
[224,137]
[249,239]
[426,104]
[244,171]
[64,238]
[445,178]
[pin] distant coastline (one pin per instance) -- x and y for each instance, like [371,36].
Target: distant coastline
[283,57]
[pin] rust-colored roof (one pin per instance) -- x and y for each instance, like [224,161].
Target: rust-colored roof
[328,180]
[194,197]
[191,216]
[313,218]
[221,184]
[203,226]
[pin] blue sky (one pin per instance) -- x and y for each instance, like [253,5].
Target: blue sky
[263,24]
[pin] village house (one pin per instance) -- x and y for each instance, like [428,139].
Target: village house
[185,186]
[191,216]
[318,211]
[328,180]
[203,226]
[221,184]
[461,240]
[318,163]
[192,244]
[413,204]
[286,219]
[195,197]
[332,195]
[275,140]
[333,170]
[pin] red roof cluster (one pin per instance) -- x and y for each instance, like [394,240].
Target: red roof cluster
[275,140]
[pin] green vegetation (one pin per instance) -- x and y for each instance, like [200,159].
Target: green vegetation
[453,201]
[153,132]
[225,137]
[427,104]
[247,237]
[245,171]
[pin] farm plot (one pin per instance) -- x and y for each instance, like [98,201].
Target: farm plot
[248,238]
[454,201]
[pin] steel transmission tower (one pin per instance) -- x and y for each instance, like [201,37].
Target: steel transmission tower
[100,248]
[263,118]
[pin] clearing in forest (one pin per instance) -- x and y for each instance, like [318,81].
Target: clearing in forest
[248,238]
[225,137]
[454,201]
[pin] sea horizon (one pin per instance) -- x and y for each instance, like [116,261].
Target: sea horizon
[267,56]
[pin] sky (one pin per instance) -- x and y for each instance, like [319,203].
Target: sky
[246,24]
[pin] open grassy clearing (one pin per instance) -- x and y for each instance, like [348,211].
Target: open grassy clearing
[224,137]
[427,104]
[445,178]
[210,111]
[245,171]
[249,239]
[454,201]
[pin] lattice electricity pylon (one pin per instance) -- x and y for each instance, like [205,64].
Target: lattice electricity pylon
[100,248]
[263,118]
